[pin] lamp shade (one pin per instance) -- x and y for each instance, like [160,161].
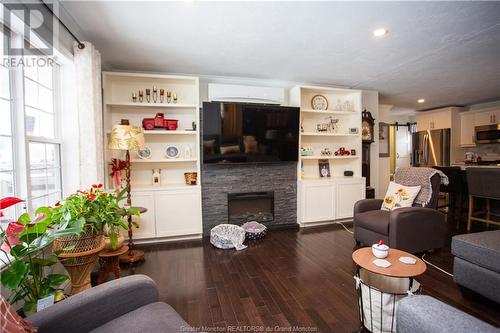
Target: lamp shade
[126,137]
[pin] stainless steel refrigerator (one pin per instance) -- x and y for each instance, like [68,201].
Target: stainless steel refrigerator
[431,148]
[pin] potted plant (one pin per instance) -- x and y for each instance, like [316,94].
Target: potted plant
[93,210]
[26,243]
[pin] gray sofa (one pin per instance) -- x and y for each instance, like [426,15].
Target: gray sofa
[424,314]
[477,262]
[129,304]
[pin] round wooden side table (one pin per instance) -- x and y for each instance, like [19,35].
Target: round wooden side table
[109,261]
[363,258]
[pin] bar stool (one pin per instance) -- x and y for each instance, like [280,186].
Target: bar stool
[483,183]
[456,189]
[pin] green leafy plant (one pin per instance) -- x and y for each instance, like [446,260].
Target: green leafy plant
[94,209]
[28,257]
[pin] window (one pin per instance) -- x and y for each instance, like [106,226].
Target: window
[30,147]
[7,175]
[42,134]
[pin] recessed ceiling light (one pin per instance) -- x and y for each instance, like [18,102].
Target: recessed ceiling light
[420,100]
[380,32]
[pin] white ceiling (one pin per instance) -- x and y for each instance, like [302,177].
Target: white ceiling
[445,52]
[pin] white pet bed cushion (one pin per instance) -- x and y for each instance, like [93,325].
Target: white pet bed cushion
[227,236]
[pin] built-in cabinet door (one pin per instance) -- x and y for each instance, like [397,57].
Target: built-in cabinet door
[146,221]
[423,121]
[440,119]
[487,117]
[348,193]
[318,202]
[467,124]
[178,212]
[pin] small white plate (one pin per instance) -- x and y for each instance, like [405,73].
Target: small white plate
[408,260]
[381,263]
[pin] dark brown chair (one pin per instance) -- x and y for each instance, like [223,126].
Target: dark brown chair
[412,229]
[483,183]
[456,190]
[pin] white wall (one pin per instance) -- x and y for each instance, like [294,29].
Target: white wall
[388,114]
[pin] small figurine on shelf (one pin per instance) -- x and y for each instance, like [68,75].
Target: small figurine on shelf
[141,96]
[342,152]
[326,152]
[148,95]
[307,151]
[353,152]
[156,177]
[332,125]
[155,94]
[338,107]
[134,97]
[159,121]
[175,98]
[169,96]
[162,95]
[193,125]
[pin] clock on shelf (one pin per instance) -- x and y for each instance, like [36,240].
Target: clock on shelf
[367,124]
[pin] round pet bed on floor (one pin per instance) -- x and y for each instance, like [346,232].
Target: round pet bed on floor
[227,236]
[254,230]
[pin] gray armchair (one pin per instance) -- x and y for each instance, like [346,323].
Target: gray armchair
[411,229]
[129,304]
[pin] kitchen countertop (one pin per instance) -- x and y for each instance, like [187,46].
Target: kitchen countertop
[464,166]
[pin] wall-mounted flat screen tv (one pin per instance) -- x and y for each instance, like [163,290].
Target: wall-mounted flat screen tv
[249,133]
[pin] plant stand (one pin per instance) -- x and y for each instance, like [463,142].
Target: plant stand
[80,260]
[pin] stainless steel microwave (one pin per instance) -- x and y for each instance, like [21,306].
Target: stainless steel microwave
[488,134]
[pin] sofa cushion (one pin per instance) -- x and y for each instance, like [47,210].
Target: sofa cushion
[480,248]
[374,220]
[424,314]
[151,318]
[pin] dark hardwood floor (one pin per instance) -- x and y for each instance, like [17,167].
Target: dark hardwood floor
[290,278]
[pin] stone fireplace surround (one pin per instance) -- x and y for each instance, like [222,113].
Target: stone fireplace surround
[221,179]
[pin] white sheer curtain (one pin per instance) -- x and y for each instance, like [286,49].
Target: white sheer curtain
[89,101]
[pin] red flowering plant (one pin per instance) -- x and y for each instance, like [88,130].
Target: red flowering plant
[94,209]
[28,257]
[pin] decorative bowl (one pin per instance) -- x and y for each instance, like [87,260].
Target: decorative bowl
[380,251]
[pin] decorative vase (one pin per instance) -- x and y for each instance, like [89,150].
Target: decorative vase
[107,243]
[79,255]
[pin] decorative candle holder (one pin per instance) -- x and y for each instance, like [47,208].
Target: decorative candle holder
[162,95]
[175,98]
[141,96]
[134,97]
[148,95]
[169,96]
[155,94]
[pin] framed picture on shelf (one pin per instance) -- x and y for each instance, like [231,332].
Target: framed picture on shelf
[324,168]
[383,139]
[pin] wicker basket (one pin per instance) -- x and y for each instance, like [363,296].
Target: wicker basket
[80,253]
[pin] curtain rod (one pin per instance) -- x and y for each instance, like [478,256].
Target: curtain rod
[81,46]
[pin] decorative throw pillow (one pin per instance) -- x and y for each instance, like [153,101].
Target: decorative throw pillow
[399,196]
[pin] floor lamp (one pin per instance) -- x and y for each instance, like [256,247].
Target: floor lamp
[127,137]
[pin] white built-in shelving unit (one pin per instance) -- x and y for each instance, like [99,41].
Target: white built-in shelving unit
[174,208]
[323,200]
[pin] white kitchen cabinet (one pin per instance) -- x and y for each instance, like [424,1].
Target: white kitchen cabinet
[146,222]
[424,120]
[178,212]
[431,120]
[487,117]
[467,124]
[349,191]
